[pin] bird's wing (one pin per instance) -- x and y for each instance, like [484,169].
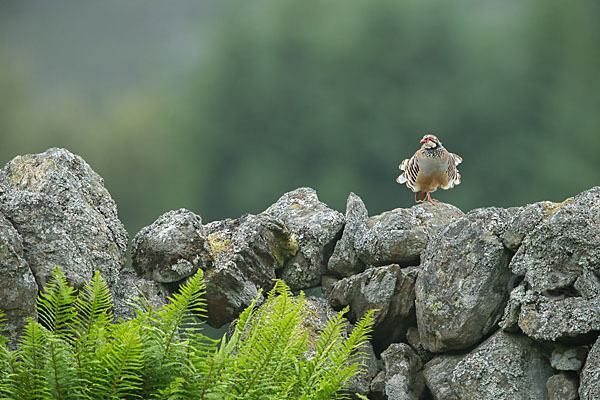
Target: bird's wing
[457,158]
[410,166]
[453,175]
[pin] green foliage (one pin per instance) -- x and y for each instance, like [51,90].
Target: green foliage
[77,351]
[328,94]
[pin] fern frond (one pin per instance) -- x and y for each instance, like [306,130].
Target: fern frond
[122,362]
[6,358]
[31,381]
[345,360]
[273,345]
[55,305]
[183,310]
[62,372]
[93,306]
[165,330]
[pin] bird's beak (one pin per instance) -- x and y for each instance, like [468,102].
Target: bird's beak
[424,140]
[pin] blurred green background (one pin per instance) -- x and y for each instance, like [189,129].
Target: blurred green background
[222,106]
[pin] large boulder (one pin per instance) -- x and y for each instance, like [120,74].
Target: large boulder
[389,290]
[589,388]
[172,248]
[400,235]
[18,290]
[558,261]
[461,289]
[504,367]
[345,261]
[563,246]
[65,217]
[316,229]
[245,252]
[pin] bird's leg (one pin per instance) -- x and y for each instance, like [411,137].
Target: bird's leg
[429,199]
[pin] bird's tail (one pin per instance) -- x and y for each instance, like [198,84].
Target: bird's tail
[420,196]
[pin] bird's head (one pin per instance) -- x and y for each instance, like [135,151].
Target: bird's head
[430,141]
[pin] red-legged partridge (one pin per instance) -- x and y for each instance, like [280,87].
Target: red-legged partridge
[432,166]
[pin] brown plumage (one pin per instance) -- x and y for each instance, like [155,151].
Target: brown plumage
[432,166]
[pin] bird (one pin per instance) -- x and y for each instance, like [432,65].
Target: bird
[432,166]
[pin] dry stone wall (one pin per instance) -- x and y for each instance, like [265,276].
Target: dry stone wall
[492,304]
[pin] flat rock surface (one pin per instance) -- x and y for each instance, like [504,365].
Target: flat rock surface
[504,367]
[461,290]
[566,319]
[400,235]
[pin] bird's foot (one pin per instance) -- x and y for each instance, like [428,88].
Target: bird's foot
[430,200]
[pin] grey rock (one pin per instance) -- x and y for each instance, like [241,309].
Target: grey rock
[494,219]
[316,228]
[327,284]
[504,367]
[400,235]
[19,290]
[587,284]
[245,252]
[525,220]
[345,261]
[589,388]
[133,291]
[172,248]
[568,358]
[564,244]
[413,338]
[403,372]
[462,287]
[378,387]
[438,376]
[562,387]
[390,290]
[65,217]
[510,318]
[571,319]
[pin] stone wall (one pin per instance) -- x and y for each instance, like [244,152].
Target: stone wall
[492,304]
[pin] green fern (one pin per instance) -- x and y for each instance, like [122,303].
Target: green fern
[77,351]
[30,377]
[166,330]
[123,360]
[93,307]
[6,359]
[55,305]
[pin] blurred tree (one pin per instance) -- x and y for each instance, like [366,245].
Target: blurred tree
[333,94]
